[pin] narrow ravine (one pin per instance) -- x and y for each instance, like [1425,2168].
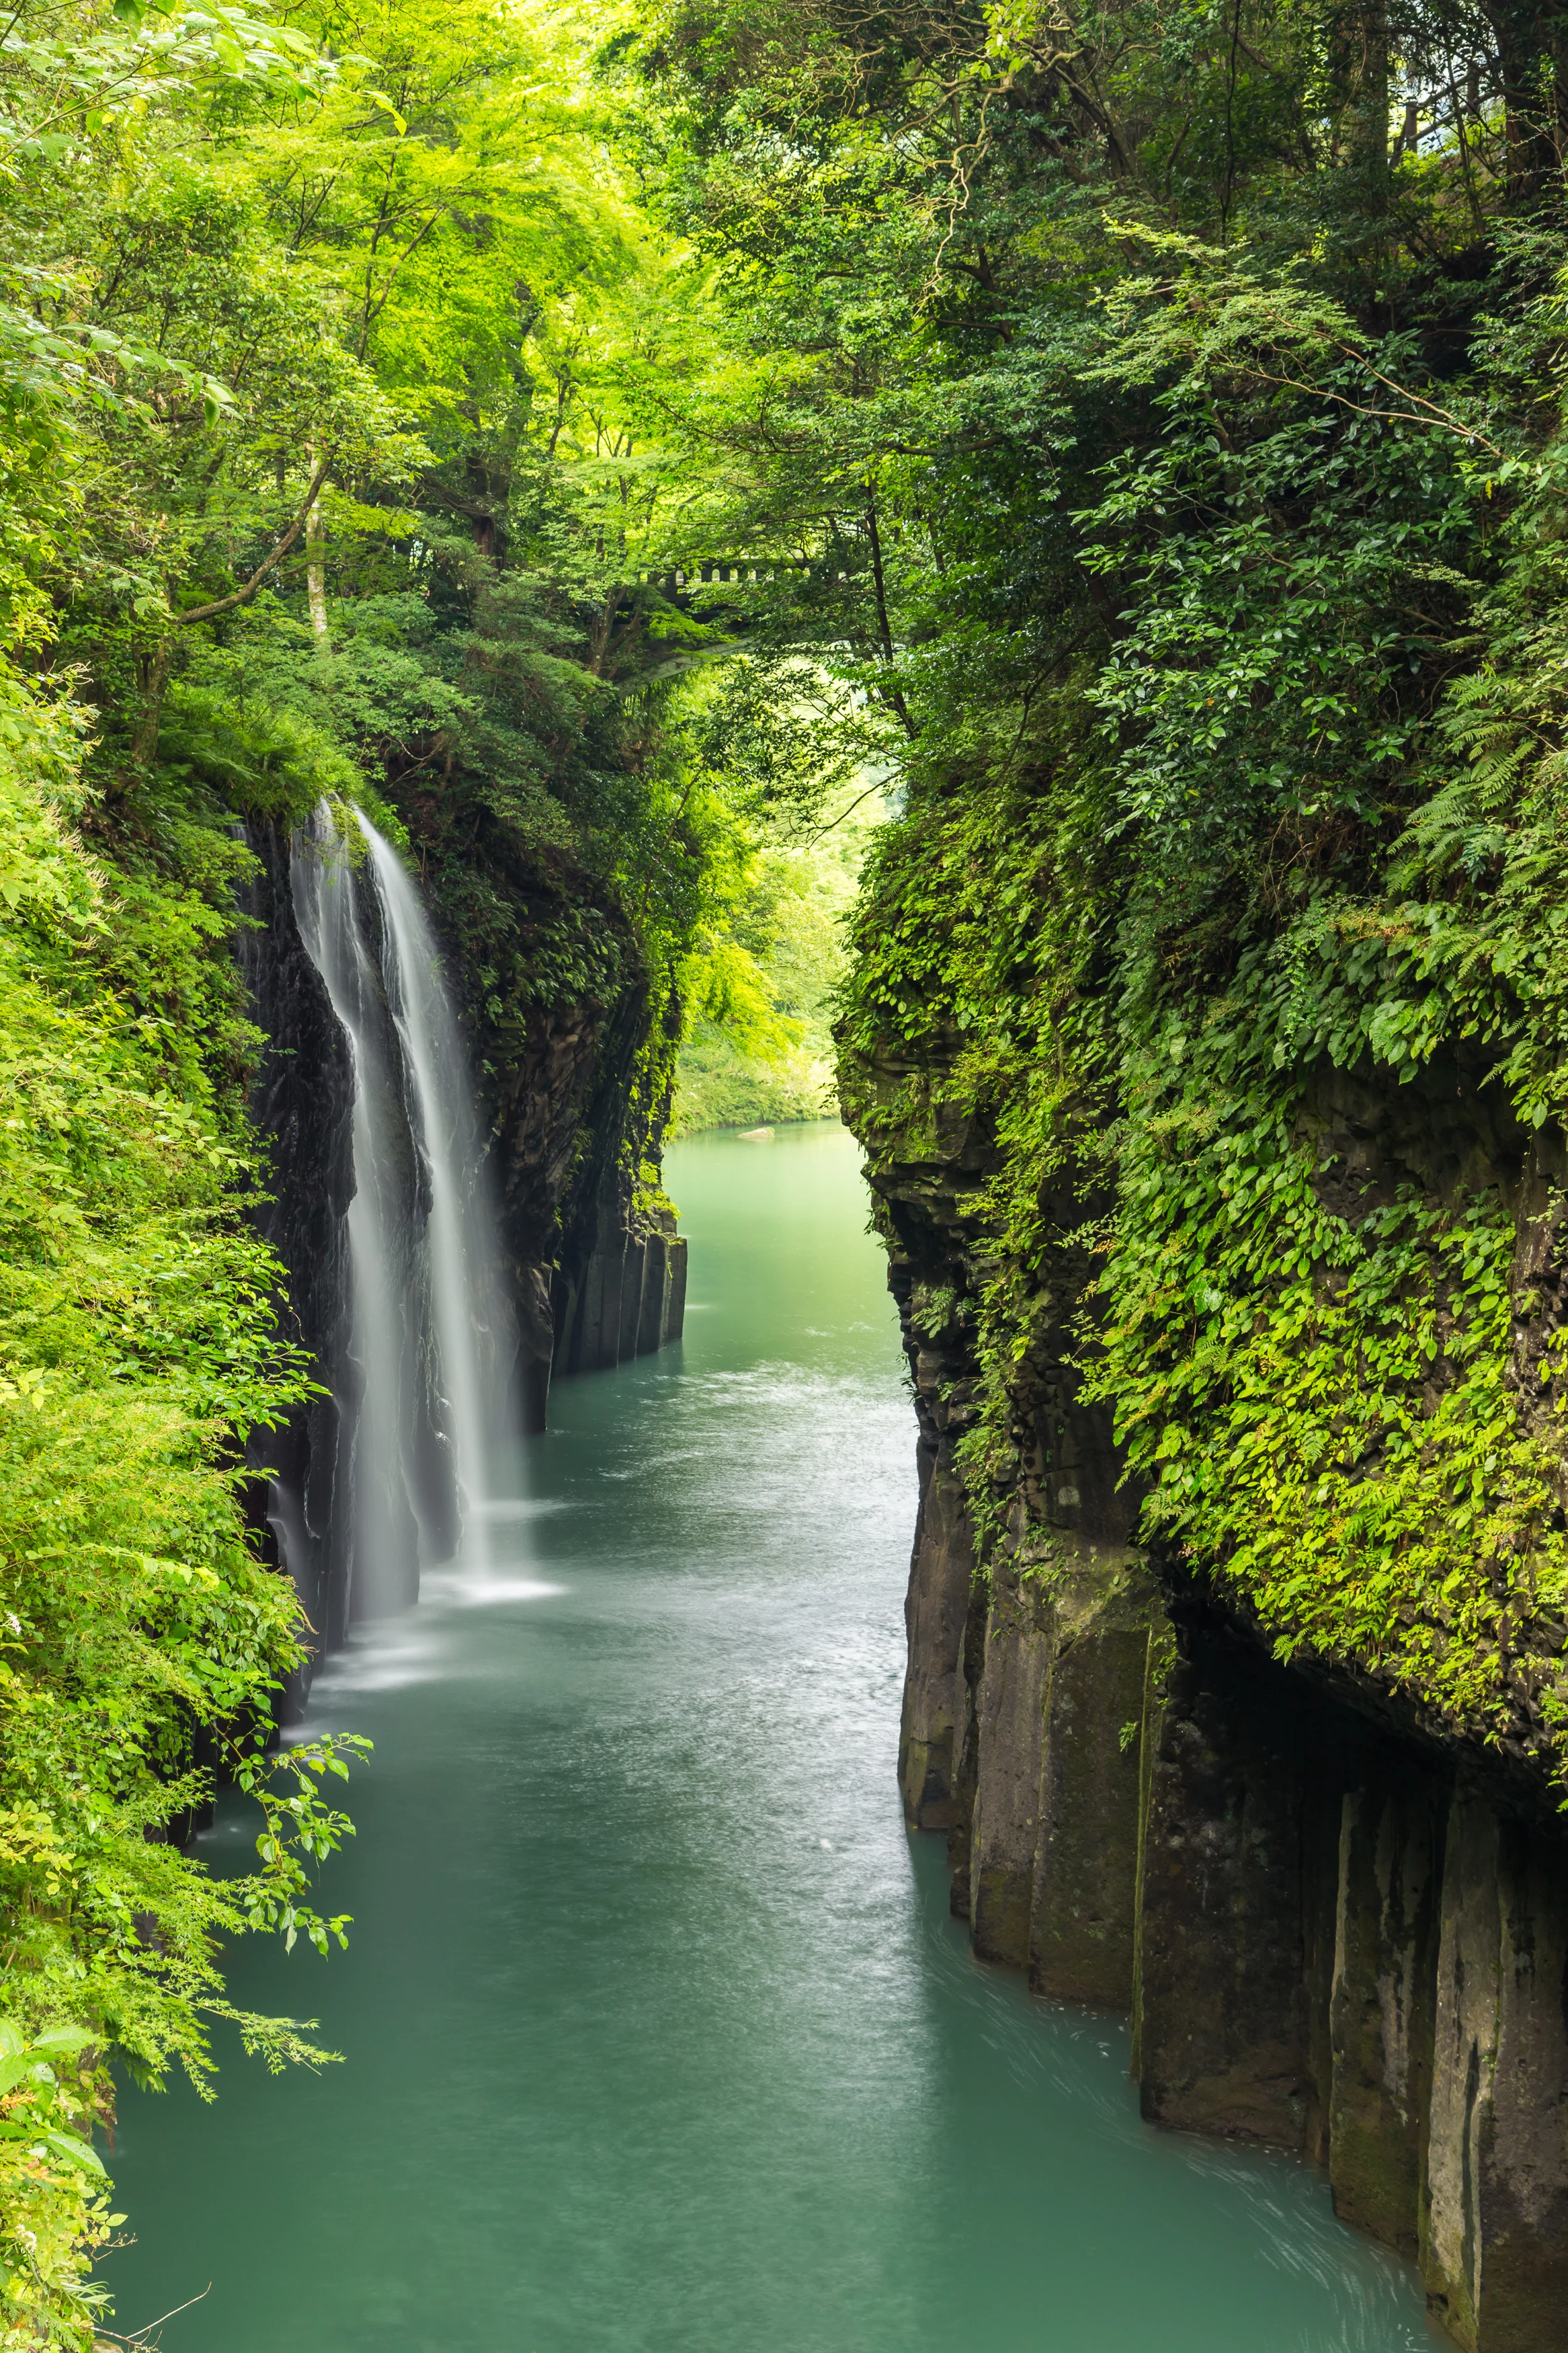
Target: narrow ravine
[658,2035]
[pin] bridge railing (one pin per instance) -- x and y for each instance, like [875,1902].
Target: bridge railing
[733,569]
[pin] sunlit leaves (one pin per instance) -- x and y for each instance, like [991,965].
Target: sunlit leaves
[138,1348]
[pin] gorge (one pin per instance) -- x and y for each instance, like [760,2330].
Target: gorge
[1335,1931]
[654,2020]
[1332,1935]
[568,582]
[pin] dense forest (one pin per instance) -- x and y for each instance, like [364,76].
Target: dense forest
[335,362]
[1125,447]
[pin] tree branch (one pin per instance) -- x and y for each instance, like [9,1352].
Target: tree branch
[1434,415]
[240,596]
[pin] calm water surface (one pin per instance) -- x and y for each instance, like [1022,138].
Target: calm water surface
[658,2036]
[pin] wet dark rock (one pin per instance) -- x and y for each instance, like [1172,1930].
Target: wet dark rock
[1390,1871]
[1494,2223]
[303,1102]
[940,1573]
[1083,1896]
[1340,1923]
[1220,2022]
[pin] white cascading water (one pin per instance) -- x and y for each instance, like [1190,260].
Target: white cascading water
[422,1257]
[462,1269]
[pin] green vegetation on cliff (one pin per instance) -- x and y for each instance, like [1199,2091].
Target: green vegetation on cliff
[138,1348]
[1173,401]
[1136,435]
[334,362]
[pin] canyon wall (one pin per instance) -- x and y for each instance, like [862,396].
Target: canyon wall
[1338,1926]
[302,1104]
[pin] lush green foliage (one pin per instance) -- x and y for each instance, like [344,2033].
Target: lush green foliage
[1163,410]
[331,361]
[1134,438]
[138,1350]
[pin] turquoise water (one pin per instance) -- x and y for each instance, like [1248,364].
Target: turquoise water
[658,2036]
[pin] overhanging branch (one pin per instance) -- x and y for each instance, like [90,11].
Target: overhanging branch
[241,595]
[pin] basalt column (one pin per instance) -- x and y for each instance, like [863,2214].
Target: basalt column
[1326,1942]
[1082,1897]
[1053,1831]
[1220,2026]
[628,1299]
[1383,2017]
[935,1609]
[1495,2219]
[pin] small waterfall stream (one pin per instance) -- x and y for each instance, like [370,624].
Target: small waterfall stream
[421,1253]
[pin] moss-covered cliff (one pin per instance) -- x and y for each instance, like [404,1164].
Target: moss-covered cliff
[1180,425]
[1235,1617]
[1338,1920]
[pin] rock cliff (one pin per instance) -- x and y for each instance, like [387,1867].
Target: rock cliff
[574,1043]
[1339,1924]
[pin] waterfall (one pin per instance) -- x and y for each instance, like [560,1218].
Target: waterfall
[462,1258]
[422,1254]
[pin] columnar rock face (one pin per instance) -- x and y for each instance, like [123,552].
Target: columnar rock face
[1052,1794]
[1008,1731]
[1326,1944]
[1221,2001]
[1495,2219]
[1082,1901]
[1336,1930]
[940,1573]
[628,1299]
[1389,1872]
[618,1286]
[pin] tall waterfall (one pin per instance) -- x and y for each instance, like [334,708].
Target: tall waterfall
[422,1253]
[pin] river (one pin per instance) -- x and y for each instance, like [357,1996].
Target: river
[658,2036]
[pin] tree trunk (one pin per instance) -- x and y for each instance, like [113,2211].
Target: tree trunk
[1530,59]
[155,668]
[316,576]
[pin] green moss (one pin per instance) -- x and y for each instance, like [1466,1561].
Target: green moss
[1327,1410]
